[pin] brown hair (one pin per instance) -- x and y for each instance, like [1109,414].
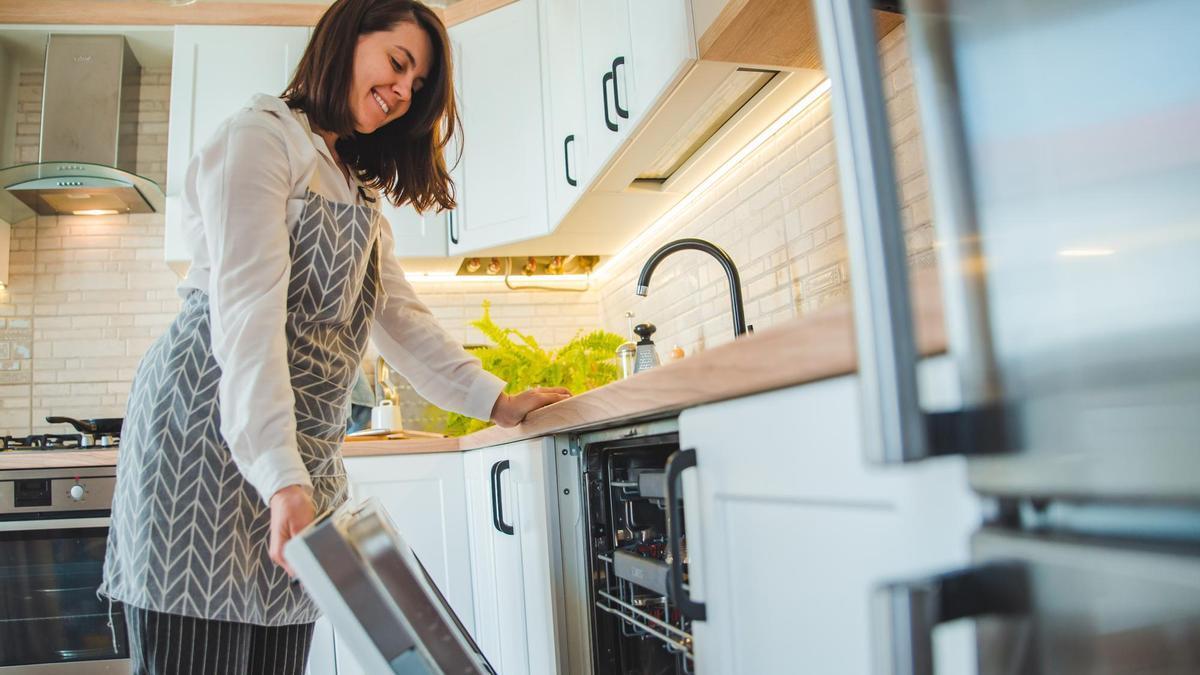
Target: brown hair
[404,158]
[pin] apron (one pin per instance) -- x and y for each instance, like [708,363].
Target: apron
[189,535]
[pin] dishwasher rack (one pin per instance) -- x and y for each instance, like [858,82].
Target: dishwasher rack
[637,624]
[628,606]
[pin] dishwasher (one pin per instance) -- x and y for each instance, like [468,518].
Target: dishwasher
[634,569]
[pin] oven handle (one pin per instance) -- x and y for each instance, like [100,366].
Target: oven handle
[53,524]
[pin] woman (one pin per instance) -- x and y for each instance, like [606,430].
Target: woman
[236,415]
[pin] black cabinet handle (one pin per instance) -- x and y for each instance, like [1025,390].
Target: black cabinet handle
[676,463]
[450,227]
[497,500]
[567,159]
[907,612]
[608,77]
[623,113]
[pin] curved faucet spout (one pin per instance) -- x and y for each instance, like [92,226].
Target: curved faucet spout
[735,281]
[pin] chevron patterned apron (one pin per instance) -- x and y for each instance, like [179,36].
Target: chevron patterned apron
[189,535]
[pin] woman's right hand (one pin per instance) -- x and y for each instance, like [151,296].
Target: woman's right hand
[292,509]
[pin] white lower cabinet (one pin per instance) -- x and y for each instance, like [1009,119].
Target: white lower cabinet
[791,530]
[514,567]
[424,496]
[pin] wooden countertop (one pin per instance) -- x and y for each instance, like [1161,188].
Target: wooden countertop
[813,347]
[806,349]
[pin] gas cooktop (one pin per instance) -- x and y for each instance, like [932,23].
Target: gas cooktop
[53,442]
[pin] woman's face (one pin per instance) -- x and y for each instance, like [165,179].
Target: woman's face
[389,67]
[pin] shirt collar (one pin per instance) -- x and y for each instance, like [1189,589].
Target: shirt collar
[276,105]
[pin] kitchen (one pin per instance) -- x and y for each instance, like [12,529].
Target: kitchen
[816,494]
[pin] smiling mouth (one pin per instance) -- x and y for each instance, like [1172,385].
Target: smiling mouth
[382,104]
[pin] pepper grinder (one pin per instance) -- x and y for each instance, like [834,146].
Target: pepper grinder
[647,355]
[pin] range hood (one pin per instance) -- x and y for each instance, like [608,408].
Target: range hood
[88,145]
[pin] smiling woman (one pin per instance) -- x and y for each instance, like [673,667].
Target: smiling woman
[236,416]
[388,105]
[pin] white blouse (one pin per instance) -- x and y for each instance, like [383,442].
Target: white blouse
[243,194]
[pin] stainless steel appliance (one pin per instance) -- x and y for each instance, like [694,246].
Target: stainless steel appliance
[371,585]
[1063,152]
[88,142]
[53,530]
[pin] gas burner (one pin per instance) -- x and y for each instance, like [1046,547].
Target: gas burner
[42,442]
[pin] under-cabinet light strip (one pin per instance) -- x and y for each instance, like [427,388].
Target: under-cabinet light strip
[450,277]
[655,227]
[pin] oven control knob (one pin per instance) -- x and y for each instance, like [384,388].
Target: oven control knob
[77,492]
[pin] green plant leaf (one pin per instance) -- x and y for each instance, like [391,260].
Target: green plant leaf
[586,362]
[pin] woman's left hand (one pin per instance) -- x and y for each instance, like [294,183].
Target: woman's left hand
[510,410]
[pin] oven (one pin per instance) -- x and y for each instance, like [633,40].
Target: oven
[53,531]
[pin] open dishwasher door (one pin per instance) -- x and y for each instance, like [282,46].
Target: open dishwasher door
[378,596]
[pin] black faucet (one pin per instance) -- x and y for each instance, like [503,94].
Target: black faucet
[735,281]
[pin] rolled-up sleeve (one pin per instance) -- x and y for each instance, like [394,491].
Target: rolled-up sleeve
[243,181]
[410,339]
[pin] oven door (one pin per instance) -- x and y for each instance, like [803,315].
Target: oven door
[51,620]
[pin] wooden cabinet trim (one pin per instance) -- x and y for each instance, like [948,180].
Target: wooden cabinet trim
[150,13]
[772,33]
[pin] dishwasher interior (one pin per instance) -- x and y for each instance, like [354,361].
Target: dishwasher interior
[637,625]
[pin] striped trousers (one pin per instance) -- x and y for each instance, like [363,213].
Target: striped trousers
[168,644]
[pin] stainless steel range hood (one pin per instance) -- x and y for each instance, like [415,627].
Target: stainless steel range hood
[88,145]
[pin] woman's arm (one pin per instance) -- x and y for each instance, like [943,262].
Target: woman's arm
[411,340]
[243,181]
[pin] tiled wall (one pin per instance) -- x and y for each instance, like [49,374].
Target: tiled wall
[86,295]
[552,318]
[779,215]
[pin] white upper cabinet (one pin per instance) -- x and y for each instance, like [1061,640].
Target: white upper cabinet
[661,44]
[503,165]
[606,50]
[566,116]
[417,235]
[214,72]
[551,92]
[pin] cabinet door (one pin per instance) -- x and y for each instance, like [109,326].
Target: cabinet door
[488,612]
[214,71]
[790,531]
[504,169]
[515,556]
[661,44]
[604,31]
[417,235]
[566,133]
[425,495]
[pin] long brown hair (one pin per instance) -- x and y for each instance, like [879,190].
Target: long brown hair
[404,159]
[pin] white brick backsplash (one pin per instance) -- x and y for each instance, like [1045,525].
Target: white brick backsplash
[785,233]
